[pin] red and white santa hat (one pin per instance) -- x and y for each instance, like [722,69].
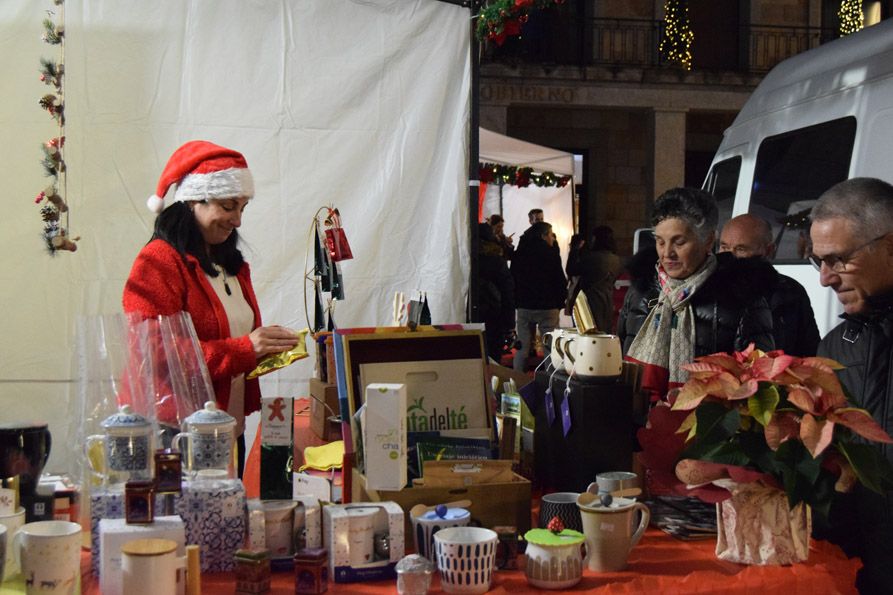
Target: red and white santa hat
[203,171]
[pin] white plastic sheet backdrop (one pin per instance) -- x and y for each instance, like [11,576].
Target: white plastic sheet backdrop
[362,104]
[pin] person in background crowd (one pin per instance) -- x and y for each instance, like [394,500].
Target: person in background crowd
[852,247]
[574,248]
[535,216]
[793,322]
[496,292]
[598,267]
[506,244]
[684,301]
[539,287]
[192,263]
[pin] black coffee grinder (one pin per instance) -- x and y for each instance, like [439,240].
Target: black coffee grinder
[24,450]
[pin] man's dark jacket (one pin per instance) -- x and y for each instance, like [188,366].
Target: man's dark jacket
[540,283]
[793,321]
[862,522]
[729,312]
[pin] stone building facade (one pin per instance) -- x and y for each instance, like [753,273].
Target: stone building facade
[587,77]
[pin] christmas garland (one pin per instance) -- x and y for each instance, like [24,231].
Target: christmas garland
[490,173]
[52,198]
[503,18]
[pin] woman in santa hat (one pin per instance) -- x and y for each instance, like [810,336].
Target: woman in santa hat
[192,263]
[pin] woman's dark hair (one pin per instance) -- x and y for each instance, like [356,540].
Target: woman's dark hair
[495,219]
[176,225]
[603,239]
[694,206]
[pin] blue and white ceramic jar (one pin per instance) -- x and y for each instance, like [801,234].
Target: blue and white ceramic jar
[127,451]
[210,434]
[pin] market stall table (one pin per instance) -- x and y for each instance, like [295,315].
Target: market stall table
[659,564]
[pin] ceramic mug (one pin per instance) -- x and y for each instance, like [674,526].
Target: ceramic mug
[210,437]
[564,506]
[426,525]
[12,523]
[49,553]
[597,356]
[466,557]
[279,527]
[152,567]
[610,530]
[554,340]
[361,538]
[554,561]
[567,345]
[613,481]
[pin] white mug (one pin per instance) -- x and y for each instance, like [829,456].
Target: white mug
[279,531]
[49,553]
[2,550]
[12,523]
[611,531]
[361,529]
[597,356]
[152,567]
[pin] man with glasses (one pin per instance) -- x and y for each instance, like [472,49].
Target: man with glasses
[793,322]
[852,247]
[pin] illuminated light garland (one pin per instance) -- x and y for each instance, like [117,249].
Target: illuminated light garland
[851,17]
[495,173]
[675,46]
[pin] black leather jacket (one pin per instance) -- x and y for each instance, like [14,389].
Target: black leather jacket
[793,321]
[729,311]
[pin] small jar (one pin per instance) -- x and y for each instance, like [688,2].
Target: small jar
[139,502]
[312,571]
[414,575]
[252,571]
[168,471]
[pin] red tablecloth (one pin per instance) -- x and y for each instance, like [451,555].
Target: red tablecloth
[659,564]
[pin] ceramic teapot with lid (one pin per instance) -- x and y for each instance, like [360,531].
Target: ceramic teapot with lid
[210,437]
[128,447]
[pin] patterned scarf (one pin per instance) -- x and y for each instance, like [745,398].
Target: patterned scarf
[667,338]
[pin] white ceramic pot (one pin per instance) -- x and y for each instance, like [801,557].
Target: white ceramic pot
[597,356]
[466,557]
[554,561]
[426,525]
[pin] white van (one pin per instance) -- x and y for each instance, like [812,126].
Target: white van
[816,119]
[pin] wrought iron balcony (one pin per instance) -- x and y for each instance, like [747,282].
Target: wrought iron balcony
[634,43]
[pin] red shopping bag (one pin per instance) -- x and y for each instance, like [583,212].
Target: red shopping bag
[336,239]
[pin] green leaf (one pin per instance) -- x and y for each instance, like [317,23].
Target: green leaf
[716,427]
[799,471]
[763,403]
[872,469]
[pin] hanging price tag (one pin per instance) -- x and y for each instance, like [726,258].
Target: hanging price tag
[528,393]
[566,411]
[550,406]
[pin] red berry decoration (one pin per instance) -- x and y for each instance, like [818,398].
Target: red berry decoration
[556,526]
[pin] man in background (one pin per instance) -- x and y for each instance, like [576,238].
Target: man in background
[793,322]
[539,287]
[852,246]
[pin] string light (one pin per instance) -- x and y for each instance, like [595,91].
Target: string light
[851,17]
[675,46]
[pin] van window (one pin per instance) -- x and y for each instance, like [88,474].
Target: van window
[722,181]
[791,172]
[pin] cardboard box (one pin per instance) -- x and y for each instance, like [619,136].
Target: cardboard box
[359,346]
[384,436]
[114,533]
[337,538]
[492,504]
[321,392]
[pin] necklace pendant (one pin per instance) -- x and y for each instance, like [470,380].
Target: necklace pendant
[226,287]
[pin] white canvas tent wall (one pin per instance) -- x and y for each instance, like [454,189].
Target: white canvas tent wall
[360,104]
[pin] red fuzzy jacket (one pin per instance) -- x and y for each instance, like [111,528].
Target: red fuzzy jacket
[161,283]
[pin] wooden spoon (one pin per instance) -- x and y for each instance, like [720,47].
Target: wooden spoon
[420,509]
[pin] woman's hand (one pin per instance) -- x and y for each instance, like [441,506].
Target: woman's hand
[272,339]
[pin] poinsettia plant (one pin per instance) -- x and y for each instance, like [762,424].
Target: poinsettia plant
[770,417]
